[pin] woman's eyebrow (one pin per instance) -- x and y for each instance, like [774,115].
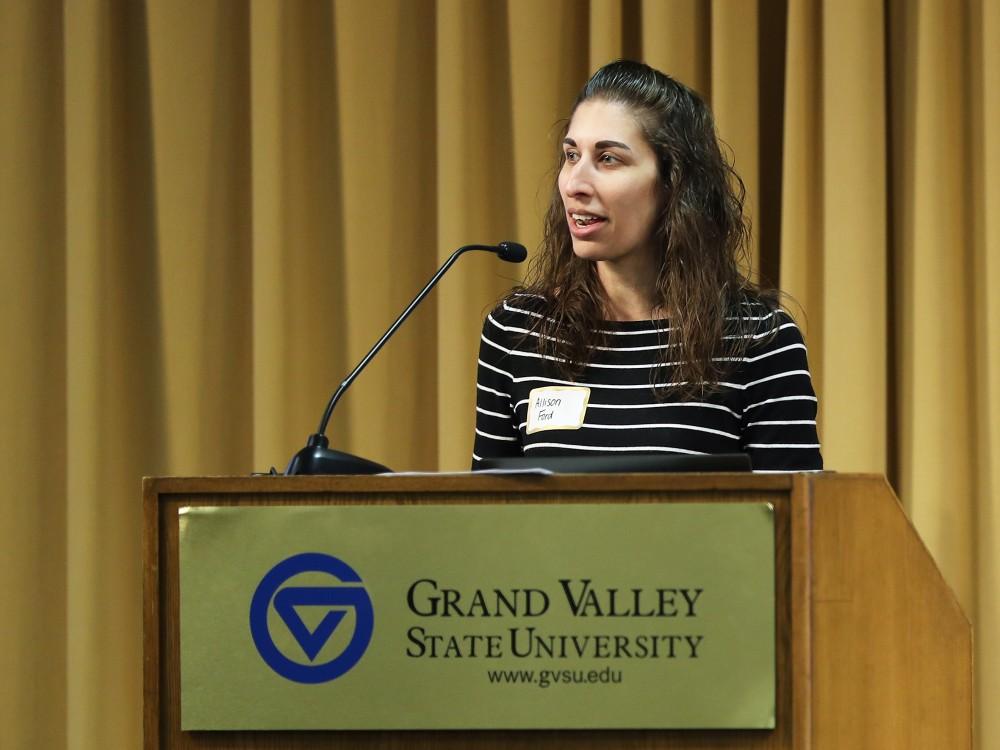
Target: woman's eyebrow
[599,144]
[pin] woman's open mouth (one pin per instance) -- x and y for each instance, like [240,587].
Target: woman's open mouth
[583,224]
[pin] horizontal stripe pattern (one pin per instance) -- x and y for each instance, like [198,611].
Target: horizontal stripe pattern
[766,407]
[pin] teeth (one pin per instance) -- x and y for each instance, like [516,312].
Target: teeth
[583,220]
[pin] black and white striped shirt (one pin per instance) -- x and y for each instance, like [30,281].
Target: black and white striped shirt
[766,407]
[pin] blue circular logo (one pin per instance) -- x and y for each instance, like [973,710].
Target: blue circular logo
[338,600]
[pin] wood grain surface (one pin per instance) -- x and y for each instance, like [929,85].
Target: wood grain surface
[892,650]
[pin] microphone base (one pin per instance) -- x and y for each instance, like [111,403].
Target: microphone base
[317,459]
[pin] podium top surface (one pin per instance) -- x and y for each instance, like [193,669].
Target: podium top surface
[481,482]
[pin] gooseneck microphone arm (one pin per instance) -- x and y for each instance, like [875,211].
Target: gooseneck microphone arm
[399,321]
[316,458]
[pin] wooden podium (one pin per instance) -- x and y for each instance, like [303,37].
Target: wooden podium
[873,651]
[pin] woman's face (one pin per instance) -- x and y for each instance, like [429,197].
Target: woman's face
[610,184]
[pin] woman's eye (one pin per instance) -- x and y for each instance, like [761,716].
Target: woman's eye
[572,156]
[609,159]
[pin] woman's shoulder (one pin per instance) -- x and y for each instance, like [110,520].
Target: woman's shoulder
[519,309]
[512,320]
[764,318]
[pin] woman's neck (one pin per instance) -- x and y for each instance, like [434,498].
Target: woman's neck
[629,290]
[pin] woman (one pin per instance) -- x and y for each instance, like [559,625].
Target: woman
[636,331]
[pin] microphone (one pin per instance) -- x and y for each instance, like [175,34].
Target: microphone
[512,252]
[317,457]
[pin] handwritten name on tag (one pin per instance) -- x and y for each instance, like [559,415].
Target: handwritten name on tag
[556,408]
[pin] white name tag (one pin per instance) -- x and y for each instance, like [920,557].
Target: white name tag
[557,408]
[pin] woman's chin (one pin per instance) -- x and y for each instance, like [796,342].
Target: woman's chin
[588,250]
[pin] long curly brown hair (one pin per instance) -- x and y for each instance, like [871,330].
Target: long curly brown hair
[702,235]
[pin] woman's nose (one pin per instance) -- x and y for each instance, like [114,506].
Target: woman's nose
[579,180]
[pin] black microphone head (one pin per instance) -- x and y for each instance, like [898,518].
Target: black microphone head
[512,252]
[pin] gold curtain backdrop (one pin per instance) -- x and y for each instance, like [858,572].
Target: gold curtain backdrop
[210,210]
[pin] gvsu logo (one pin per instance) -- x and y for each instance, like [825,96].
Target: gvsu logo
[332,602]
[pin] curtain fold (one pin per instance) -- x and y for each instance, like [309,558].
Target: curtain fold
[803,182]
[605,35]
[387,157]
[475,200]
[115,419]
[33,378]
[854,314]
[201,207]
[211,210]
[298,231]
[735,90]
[933,254]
